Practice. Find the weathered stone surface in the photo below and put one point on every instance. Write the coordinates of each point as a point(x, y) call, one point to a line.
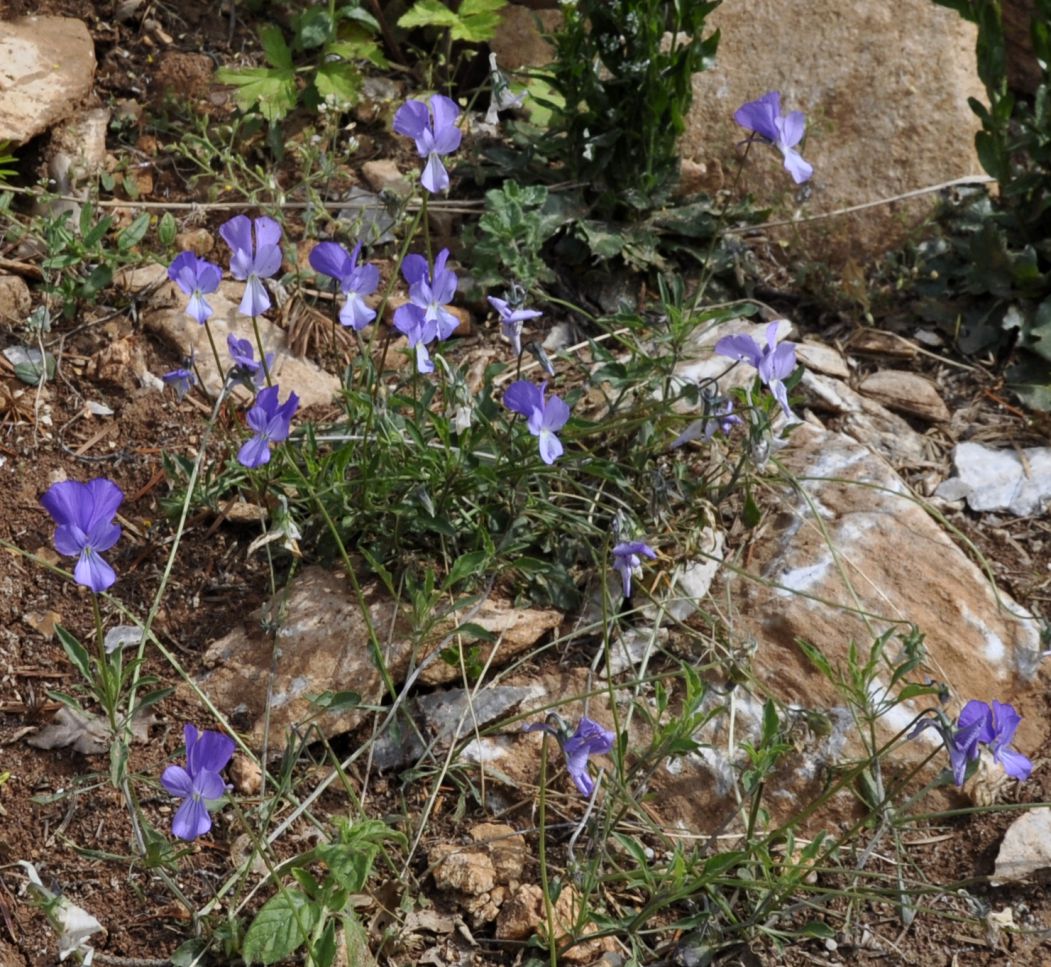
point(47, 66)
point(819, 358)
point(1026, 847)
point(851, 556)
point(77, 152)
point(322, 645)
point(1018, 481)
point(518, 41)
point(884, 88)
point(516, 630)
point(15, 302)
point(865, 420)
point(166, 316)
point(906, 393)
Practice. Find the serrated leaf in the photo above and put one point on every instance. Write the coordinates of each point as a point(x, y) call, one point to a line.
point(271, 89)
point(274, 47)
point(478, 20)
point(279, 928)
point(313, 28)
point(428, 13)
point(340, 81)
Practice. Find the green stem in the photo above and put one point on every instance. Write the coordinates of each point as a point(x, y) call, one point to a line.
point(215, 355)
point(549, 910)
point(262, 354)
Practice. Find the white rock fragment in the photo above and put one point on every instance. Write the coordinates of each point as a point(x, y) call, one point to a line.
point(1018, 481)
point(1026, 847)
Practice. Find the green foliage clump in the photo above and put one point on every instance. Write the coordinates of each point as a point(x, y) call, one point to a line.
point(1001, 254)
point(335, 41)
point(625, 91)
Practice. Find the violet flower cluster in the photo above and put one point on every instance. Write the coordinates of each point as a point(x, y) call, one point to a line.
point(784, 131)
point(196, 277)
point(425, 317)
point(589, 739)
point(84, 513)
point(511, 319)
point(255, 245)
point(979, 724)
point(200, 784)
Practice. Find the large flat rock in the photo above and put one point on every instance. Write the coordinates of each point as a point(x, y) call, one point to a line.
point(47, 66)
point(884, 87)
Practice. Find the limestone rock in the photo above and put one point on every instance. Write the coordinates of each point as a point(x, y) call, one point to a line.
point(819, 358)
point(867, 421)
point(518, 41)
point(15, 301)
point(852, 541)
point(516, 630)
point(383, 174)
point(884, 88)
point(1026, 848)
point(907, 393)
point(47, 66)
point(322, 645)
point(1016, 481)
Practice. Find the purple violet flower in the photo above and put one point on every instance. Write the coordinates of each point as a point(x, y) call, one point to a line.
point(433, 137)
point(627, 558)
point(544, 419)
point(775, 363)
point(253, 262)
point(196, 277)
point(783, 131)
point(181, 380)
point(271, 422)
point(199, 785)
point(720, 418)
point(511, 320)
point(84, 513)
point(355, 281)
point(978, 725)
point(425, 316)
point(246, 370)
point(589, 739)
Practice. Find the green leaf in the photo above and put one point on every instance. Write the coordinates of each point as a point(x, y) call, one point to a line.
point(313, 28)
point(272, 89)
point(476, 21)
point(336, 701)
point(339, 81)
point(75, 651)
point(274, 47)
point(167, 229)
point(134, 233)
point(280, 927)
point(428, 13)
point(465, 566)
